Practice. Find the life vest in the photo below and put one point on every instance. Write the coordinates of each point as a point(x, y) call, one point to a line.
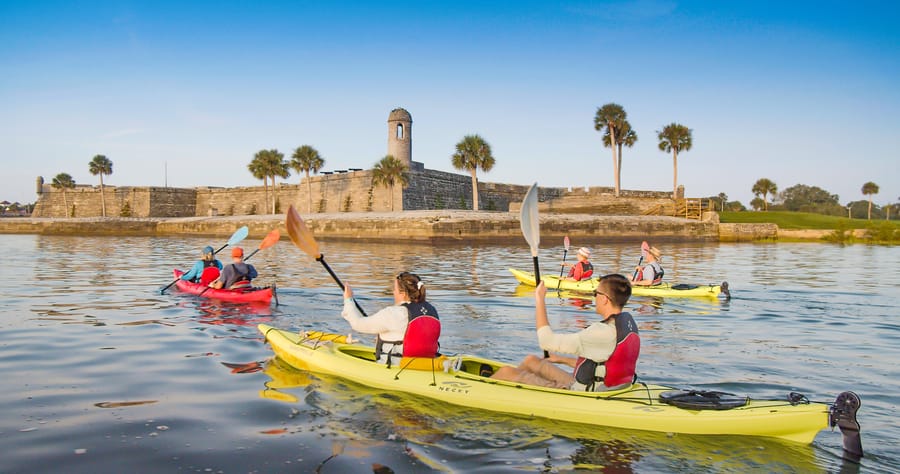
point(586, 270)
point(658, 273)
point(423, 330)
point(210, 273)
point(243, 277)
point(620, 366)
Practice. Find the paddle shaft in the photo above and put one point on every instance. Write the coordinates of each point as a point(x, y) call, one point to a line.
point(562, 269)
point(248, 258)
point(640, 261)
point(321, 259)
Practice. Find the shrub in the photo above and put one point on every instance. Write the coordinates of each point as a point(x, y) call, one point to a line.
point(842, 233)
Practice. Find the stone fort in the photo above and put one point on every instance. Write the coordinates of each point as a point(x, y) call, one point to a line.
point(342, 190)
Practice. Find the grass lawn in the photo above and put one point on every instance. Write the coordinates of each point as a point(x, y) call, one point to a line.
point(798, 220)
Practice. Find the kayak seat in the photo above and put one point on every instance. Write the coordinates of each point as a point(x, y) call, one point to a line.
point(423, 363)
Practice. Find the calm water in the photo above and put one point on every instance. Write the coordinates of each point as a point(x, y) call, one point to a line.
point(102, 373)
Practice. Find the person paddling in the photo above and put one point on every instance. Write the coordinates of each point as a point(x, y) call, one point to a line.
point(236, 275)
point(204, 270)
point(607, 351)
point(651, 273)
point(408, 328)
point(582, 269)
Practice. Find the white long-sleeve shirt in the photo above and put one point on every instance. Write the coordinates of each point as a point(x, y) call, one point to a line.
point(596, 342)
point(389, 323)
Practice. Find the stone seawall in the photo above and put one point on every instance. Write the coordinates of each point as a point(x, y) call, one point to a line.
point(412, 226)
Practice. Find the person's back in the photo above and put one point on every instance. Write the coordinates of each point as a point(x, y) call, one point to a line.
point(236, 275)
point(203, 268)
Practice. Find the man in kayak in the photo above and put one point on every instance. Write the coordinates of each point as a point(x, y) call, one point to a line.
point(236, 275)
point(582, 269)
point(650, 273)
point(607, 351)
point(204, 270)
point(408, 328)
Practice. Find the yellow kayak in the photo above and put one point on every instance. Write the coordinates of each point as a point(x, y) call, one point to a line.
point(588, 286)
point(457, 380)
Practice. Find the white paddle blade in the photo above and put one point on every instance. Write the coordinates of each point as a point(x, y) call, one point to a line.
point(531, 226)
point(566, 243)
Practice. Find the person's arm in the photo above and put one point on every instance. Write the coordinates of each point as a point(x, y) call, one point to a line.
point(540, 306)
point(251, 272)
point(377, 323)
point(577, 271)
point(194, 272)
point(558, 359)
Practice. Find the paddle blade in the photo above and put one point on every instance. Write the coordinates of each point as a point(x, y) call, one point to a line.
point(531, 226)
point(300, 235)
point(270, 239)
point(566, 243)
point(238, 235)
point(645, 247)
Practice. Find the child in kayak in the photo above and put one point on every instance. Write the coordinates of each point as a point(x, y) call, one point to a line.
point(408, 328)
point(607, 351)
point(651, 273)
point(204, 270)
point(582, 269)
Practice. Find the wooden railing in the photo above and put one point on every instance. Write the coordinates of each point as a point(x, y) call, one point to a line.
point(690, 208)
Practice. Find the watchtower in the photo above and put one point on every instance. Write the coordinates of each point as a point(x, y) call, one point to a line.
point(400, 138)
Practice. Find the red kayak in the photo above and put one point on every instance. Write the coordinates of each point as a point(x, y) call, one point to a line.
point(255, 295)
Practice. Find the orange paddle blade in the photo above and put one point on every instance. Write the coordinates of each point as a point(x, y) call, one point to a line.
point(270, 239)
point(300, 235)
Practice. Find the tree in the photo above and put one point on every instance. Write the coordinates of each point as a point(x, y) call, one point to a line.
point(472, 152)
point(388, 172)
point(625, 136)
point(269, 164)
point(801, 197)
point(757, 203)
point(611, 118)
point(306, 159)
point(869, 189)
point(674, 138)
point(258, 171)
point(723, 198)
point(764, 187)
point(64, 182)
point(103, 166)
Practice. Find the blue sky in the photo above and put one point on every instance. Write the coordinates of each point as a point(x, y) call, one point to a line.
point(185, 95)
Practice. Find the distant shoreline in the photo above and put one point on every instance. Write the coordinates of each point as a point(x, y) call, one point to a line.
point(421, 226)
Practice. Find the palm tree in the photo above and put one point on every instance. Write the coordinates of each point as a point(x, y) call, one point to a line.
point(472, 152)
point(388, 172)
point(304, 160)
point(765, 187)
point(612, 118)
point(723, 198)
point(269, 164)
point(64, 181)
point(103, 166)
point(257, 170)
point(625, 136)
point(674, 138)
point(869, 189)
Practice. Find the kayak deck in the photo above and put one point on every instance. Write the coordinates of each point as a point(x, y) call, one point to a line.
point(589, 285)
point(457, 380)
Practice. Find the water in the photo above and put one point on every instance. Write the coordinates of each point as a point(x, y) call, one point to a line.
point(102, 373)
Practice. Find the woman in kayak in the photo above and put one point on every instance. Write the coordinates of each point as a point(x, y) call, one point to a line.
point(408, 328)
point(204, 270)
point(651, 273)
point(607, 351)
point(582, 269)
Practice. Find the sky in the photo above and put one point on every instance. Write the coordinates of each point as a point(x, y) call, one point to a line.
point(184, 94)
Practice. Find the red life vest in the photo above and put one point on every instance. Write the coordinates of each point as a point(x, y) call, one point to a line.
point(586, 270)
point(658, 273)
point(422, 332)
point(209, 275)
point(621, 364)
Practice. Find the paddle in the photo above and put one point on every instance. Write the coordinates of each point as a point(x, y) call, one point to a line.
point(645, 247)
point(563, 266)
point(236, 237)
point(531, 229)
point(267, 242)
point(303, 239)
